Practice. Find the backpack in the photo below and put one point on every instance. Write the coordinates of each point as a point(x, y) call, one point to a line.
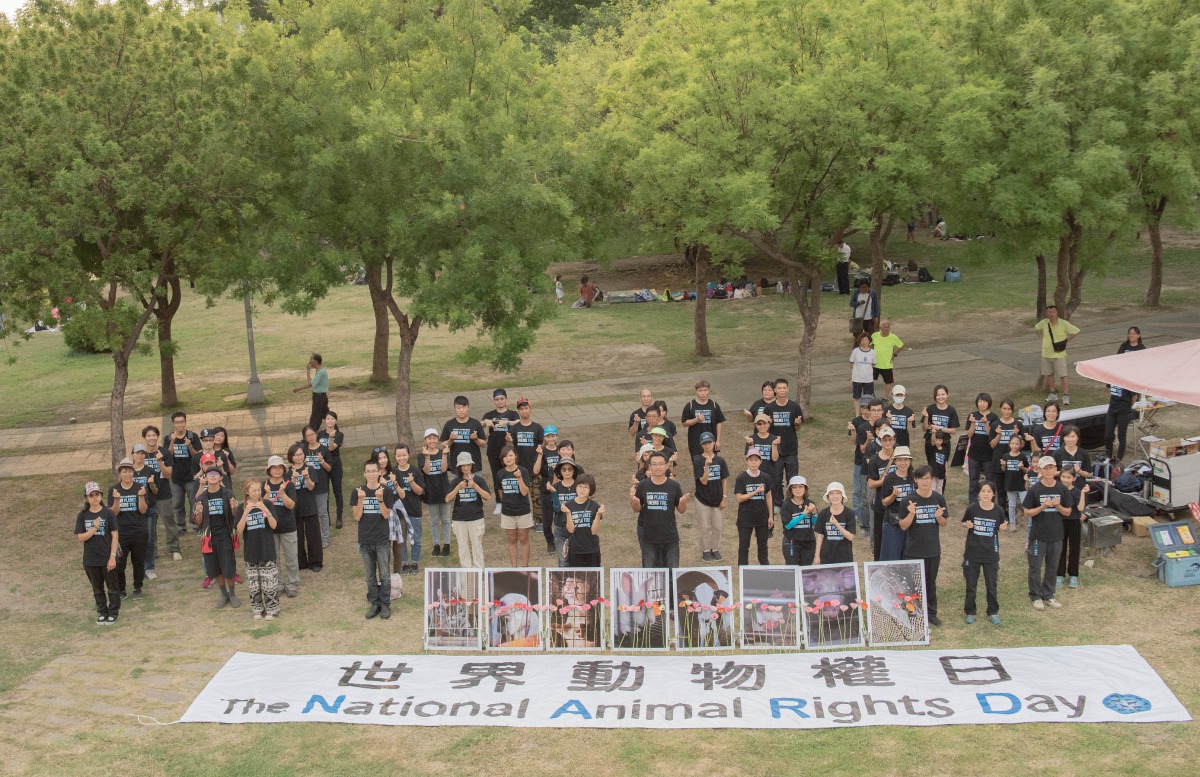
point(1128, 483)
point(923, 276)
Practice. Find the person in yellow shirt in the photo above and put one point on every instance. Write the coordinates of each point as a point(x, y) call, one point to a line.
point(887, 347)
point(1054, 333)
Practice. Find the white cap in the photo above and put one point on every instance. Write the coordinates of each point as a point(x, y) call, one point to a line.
point(887, 431)
point(274, 461)
point(1047, 461)
point(797, 480)
point(646, 447)
point(429, 431)
point(898, 391)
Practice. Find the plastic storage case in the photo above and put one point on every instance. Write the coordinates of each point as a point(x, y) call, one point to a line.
point(1178, 553)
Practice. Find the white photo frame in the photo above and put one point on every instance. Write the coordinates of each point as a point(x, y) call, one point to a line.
point(897, 610)
point(702, 608)
point(576, 606)
point(453, 615)
point(832, 607)
point(771, 614)
point(514, 609)
point(640, 616)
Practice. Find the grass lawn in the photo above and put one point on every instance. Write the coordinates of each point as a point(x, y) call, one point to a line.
point(67, 688)
point(994, 300)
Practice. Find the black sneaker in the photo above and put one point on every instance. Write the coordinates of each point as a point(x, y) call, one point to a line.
point(339, 522)
point(550, 548)
point(111, 619)
point(315, 568)
point(372, 611)
point(101, 620)
point(124, 595)
point(716, 556)
point(385, 612)
point(707, 556)
point(935, 620)
point(137, 594)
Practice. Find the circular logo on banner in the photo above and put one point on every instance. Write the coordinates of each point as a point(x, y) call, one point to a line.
point(1126, 703)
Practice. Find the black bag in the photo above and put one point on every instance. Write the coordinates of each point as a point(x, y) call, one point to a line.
point(891, 279)
point(1058, 345)
point(923, 276)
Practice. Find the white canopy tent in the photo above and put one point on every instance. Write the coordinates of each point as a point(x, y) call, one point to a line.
point(1167, 372)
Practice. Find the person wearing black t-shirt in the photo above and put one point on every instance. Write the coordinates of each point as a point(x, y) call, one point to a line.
point(182, 445)
point(433, 461)
point(332, 438)
point(582, 517)
point(497, 422)
point(878, 466)
point(217, 509)
point(309, 553)
point(128, 500)
point(656, 500)
point(702, 415)
point(637, 419)
point(160, 460)
point(798, 514)
point(1068, 560)
point(565, 473)
point(513, 487)
point(862, 429)
point(939, 417)
point(752, 490)
point(1047, 503)
point(900, 416)
point(768, 448)
point(371, 510)
point(1046, 437)
point(468, 491)
point(1071, 455)
point(760, 406)
point(1007, 426)
point(257, 524)
point(922, 515)
point(147, 476)
point(786, 417)
point(1117, 419)
point(96, 527)
point(711, 473)
point(983, 521)
point(465, 434)
point(528, 437)
point(409, 488)
point(835, 528)
point(898, 485)
point(1014, 464)
point(544, 465)
point(317, 457)
point(280, 495)
point(980, 425)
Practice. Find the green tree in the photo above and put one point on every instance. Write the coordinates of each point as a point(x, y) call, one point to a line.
point(751, 125)
point(120, 164)
point(428, 149)
point(1165, 127)
point(1036, 140)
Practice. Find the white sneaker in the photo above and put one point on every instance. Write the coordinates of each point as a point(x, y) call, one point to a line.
point(497, 510)
point(177, 556)
point(1056, 604)
point(1066, 399)
point(151, 574)
point(1052, 397)
point(1038, 604)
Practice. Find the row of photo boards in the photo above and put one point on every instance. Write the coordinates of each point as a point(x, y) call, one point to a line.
point(586, 609)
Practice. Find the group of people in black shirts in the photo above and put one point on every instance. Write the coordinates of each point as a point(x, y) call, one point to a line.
point(283, 519)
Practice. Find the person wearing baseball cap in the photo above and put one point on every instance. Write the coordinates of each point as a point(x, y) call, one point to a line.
point(544, 467)
point(798, 514)
point(218, 511)
point(145, 475)
point(901, 417)
point(877, 466)
point(752, 490)
point(898, 485)
point(835, 528)
point(711, 472)
point(1046, 504)
point(433, 461)
point(279, 492)
point(130, 503)
point(96, 529)
point(767, 443)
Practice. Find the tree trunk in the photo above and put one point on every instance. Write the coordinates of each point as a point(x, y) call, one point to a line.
point(1153, 218)
point(878, 239)
point(379, 305)
point(116, 402)
point(165, 308)
point(809, 303)
point(1069, 276)
point(1040, 305)
point(409, 329)
point(698, 255)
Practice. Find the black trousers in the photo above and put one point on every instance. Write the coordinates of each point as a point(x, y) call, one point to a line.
point(843, 277)
point(1116, 425)
point(786, 468)
point(760, 535)
point(1068, 562)
point(320, 408)
point(876, 532)
point(798, 554)
point(308, 542)
point(991, 571)
point(132, 545)
point(931, 573)
point(335, 484)
point(101, 579)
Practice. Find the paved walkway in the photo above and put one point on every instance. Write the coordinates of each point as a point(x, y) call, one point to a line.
point(1004, 365)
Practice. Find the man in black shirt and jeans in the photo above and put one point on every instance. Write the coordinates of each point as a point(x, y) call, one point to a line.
point(656, 500)
point(786, 417)
point(182, 445)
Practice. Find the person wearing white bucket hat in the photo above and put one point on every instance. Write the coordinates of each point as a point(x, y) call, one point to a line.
point(468, 492)
point(835, 528)
point(280, 495)
point(897, 486)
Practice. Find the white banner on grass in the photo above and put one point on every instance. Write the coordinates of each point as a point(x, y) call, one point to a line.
point(1107, 683)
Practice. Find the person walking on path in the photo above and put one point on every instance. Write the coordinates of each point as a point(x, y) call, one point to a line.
point(1055, 332)
point(318, 383)
point(887, 347)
